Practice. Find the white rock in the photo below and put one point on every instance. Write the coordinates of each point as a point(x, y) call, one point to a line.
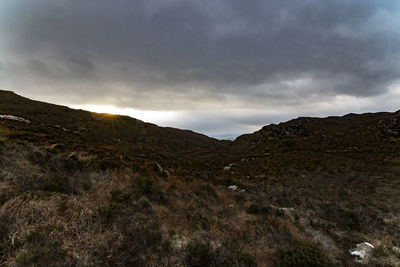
point(179, 242)
point(362, 252)
point(14, 118)
point(286, 210)
point(228, 167)
point(369, 244)
point(233, 187)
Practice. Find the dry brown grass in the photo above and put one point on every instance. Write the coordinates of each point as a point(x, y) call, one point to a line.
point(69, 215)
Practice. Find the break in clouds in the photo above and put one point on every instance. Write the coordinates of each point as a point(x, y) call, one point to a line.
point(226, 66)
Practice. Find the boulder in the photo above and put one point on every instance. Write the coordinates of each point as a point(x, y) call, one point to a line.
point(362, 252)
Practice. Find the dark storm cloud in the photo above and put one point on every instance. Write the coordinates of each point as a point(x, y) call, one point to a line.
point(176, 54)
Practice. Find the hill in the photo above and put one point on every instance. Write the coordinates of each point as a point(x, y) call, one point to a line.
point(112, 137)
point(87, 189)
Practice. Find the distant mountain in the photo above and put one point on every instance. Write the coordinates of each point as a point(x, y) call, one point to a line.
point(87, 189)
point(229, 137)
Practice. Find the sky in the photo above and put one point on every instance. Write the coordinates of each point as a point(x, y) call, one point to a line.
point(219, 67)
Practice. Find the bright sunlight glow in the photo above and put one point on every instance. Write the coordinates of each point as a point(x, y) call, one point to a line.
point(157, 117)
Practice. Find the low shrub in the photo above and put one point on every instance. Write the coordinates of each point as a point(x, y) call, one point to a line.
point(302, 255)
point(199, 255)
point(245, 259)
point(5, 224)
point(380, 252)
point(199, 220)
point(107, 214)
point(110, 164)
point(290, 143)
point(139, 242)
point(148, 187)
point(208, 190)
point(30, 169)
point(55, 183)
point(351, 221)
point(240, 198)
point(41, 250)
point(42, 256)
point(258, 209)
point(118, 196)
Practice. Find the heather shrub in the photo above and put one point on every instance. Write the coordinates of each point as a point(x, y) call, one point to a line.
point(148, 187)
point(302, 255)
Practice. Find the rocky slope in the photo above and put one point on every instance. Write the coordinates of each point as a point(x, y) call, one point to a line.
point(87, 189)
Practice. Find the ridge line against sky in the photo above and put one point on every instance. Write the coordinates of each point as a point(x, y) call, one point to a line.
point(215, 67)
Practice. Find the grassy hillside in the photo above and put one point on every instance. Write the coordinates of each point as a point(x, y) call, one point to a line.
point(86, 189)
point(121, 138)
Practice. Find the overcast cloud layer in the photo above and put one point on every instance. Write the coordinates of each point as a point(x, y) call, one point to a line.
point(223, 66)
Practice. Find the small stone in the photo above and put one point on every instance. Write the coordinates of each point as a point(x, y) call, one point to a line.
point(233, 187)
point(228, 167)
point(286, 210)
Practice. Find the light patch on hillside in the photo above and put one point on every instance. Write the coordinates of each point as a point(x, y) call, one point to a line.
point(158, 117)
